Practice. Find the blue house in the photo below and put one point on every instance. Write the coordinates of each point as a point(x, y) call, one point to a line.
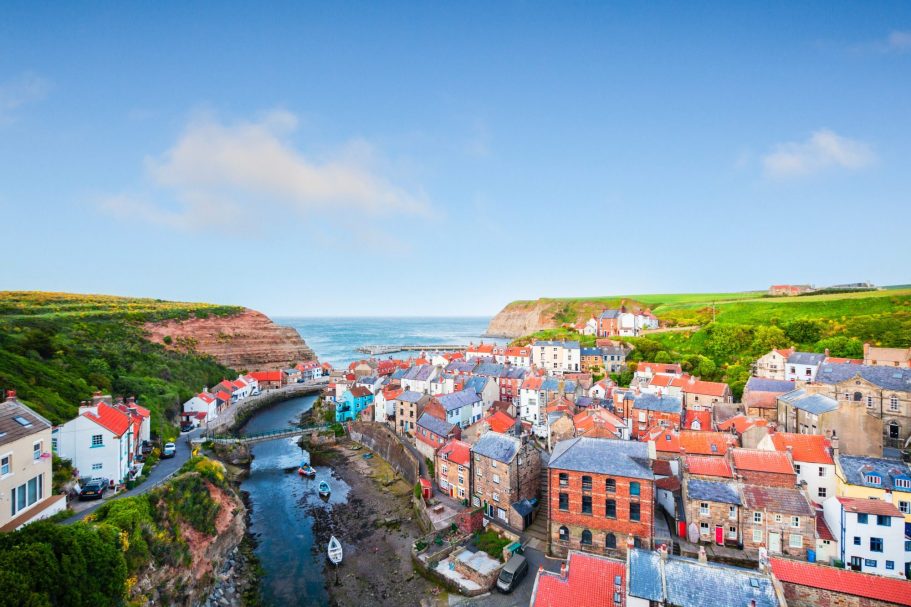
point(354, 400)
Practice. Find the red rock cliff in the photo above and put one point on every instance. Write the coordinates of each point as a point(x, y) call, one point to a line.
point(248, 341)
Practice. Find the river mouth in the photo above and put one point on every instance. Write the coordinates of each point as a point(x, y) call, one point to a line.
point(281, 502)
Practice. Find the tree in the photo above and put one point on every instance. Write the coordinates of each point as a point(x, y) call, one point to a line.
point(766, 338)
point(841, 347)
point(804, 331)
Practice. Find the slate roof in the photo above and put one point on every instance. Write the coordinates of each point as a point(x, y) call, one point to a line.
point(855, 583)
point(688, 583)
point(663, 403)
point(435, 424)
point(890, 378)
point(591, 352)
point(497, 446)
point(806, 358)
point(419, 373)
point(816, 404)
point(476, 383)
point(11, 430)
point(399, 373)
point(602, 456)
point(761, 384)
point(459, 399)
point(574, 345)
point(610, 314)
point(489, 369)
point(513, 373)
point(712, 491)
point(552, 384)
point(855, 467)
point(776, 499)
point(410, 396)
point(461, 366)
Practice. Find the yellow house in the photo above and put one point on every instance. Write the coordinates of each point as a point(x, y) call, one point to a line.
point(872, 477)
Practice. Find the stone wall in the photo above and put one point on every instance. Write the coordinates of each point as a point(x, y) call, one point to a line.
point(382, 441)
point(236, 415)
point(805, 596)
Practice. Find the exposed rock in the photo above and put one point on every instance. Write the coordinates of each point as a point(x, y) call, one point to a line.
point(521, 318)
point(249, 341)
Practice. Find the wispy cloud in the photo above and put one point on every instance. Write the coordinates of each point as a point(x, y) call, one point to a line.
point(27, 88)
point(898, 42)
point(823, 150)
point(218, 173)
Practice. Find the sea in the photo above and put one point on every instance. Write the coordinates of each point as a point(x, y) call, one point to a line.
point(335, 340)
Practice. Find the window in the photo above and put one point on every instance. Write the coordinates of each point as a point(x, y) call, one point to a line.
point(876, 544)
point(893, 403)
point(883, 520)
point(564, 534)
point(634, 512)
point(795, 521)
point(777, 518)
point(822, 472)
point(97, 466)
point(496, 478)
point(821, 492)
point(610, 508)
point(797, 468)
point(870, 401)
point(732, 512)
point(757, 518)
point(873, 479)
point(904, 507)
point(610, 485)
point(703, 509)
point(27, 494)
point(96, 440)
point(634, 488)
point(493, 463)
point(857, 540)
point(586, 504)
point(564, 501)
point(6, 465)
point(610, 541)
point(461, 492)
point(496, 497)
point(704, 528)
point(586, 538)
point(870, 563)
point(36, 451)
point(795, 540)
point(445, 468)
point(586, 483)
point(862, 519)
point(903, 483)
point(564, 479)
point(890, 565)
point(757, 536)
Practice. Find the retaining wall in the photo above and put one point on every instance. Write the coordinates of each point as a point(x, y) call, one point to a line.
point(382, 441)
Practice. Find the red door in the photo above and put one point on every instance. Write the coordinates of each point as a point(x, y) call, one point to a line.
point(719, 535)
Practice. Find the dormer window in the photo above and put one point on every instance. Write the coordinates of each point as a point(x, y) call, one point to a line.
point(873, 479)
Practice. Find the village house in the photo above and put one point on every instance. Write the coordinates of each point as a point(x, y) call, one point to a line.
point(201, 409)
point(600, 423)
point(384, 403)
point(884, 391)
point(602, 389)
point(575, 583)
point(496, 421)
point(409, 406)
point(646, 371)
point(354, 400)
point(267, 380)
point(650, 410)
point(557, 357)
point(875, 478)
point(751, 430)
point(481, 351)
point(811, 585)
point(559, 427)
point(484, 386)
point(532, 400)
point(811, 455)
point(809, 411)
point(519, 356)
point(510, 382)
point(698, 394)
point(291, 376)
point(505, 470)
point(25, 466)
point(311, 370)
point(779, 519)
point(418, 378)
point(803, 366)
point(713, 510)
point(887, 357)
point(453, 469)
point(874, 535)
point(600, 495)
point(789, 290)
point(772, 365)
point(432, 433)
point(613, 357)
point(670, 444)
point(766, 468)
point(760, 396)
point(463, 408)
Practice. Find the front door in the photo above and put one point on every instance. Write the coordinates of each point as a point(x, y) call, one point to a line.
point(774, 542)
point(719, 535)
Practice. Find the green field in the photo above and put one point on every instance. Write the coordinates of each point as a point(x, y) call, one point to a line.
point(56, 349)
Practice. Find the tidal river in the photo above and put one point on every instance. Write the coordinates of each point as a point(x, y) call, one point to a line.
point(279, 500)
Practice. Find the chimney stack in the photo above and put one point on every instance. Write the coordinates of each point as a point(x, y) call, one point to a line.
point(562, 571)
point(10, 395)
point(834, 444)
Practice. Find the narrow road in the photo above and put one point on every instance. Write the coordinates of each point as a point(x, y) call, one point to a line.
point(159, 473)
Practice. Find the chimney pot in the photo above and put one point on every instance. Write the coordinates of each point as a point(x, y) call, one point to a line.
point(10, 395)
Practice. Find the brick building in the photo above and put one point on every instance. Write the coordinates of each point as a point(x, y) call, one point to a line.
point(453, 469)
point(766, 468)
point(809, 585)
point(713, 510)
point(779, 519)
point(505, 470)
point(600, 494)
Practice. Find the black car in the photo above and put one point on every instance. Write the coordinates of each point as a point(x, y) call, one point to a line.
point(94, 489)
point(186, 426)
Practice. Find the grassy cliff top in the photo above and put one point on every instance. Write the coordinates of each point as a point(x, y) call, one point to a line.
point(33, 304)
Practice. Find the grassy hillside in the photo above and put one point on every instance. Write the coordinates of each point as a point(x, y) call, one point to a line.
point(57, 349)
point(748, 327)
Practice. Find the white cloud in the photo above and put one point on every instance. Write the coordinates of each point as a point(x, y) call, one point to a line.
point(823, 150)
point(218, 173)
point(27, 88)
point(899, 42)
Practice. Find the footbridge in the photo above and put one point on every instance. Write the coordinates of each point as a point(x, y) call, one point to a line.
point(247, 439)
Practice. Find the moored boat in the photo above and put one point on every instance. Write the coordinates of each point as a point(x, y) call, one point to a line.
point(324, 489)
point(307, 470)
point(334, 551)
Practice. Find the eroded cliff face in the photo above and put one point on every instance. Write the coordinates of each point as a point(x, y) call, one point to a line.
point(249, 341)
point(518, 319)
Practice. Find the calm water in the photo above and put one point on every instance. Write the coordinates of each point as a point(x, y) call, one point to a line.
point(279, 520)
point(335, 339)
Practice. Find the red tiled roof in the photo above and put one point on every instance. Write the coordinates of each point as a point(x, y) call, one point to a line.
point(589, 582)
point(205, 397)
point(662, 467)
point(500, 422)
point(109, 418)
point(703, 417)
point(742, 423)
point(669, 483)
point(845, 581)
point(699, 443)
point(266, 375)
point(673, 368)
point(456, 451)
point(804, 447)
point(762, 461)
point(869, 506)
point(822, 530)
point(691, 385)
point(533, 383)
point(709, 466)
point(359, 392)
point(225, 396)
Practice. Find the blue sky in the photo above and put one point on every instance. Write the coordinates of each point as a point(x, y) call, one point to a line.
point(387, 159)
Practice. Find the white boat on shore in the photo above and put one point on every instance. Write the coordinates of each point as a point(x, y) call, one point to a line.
point(334, 552)
point(324, 489)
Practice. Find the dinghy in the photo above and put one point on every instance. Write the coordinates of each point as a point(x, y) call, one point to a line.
point(335, 550)
point(324, 489)
point(307, 470)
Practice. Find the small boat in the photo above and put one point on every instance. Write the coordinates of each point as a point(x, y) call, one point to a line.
point(335, 550)
point(307, 470)
point(324, 489)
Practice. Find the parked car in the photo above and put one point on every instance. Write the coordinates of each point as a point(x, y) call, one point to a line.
point(512, 573)
point(186, 426)
point(169, 450)
point(93, 489)
point(146, 447)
